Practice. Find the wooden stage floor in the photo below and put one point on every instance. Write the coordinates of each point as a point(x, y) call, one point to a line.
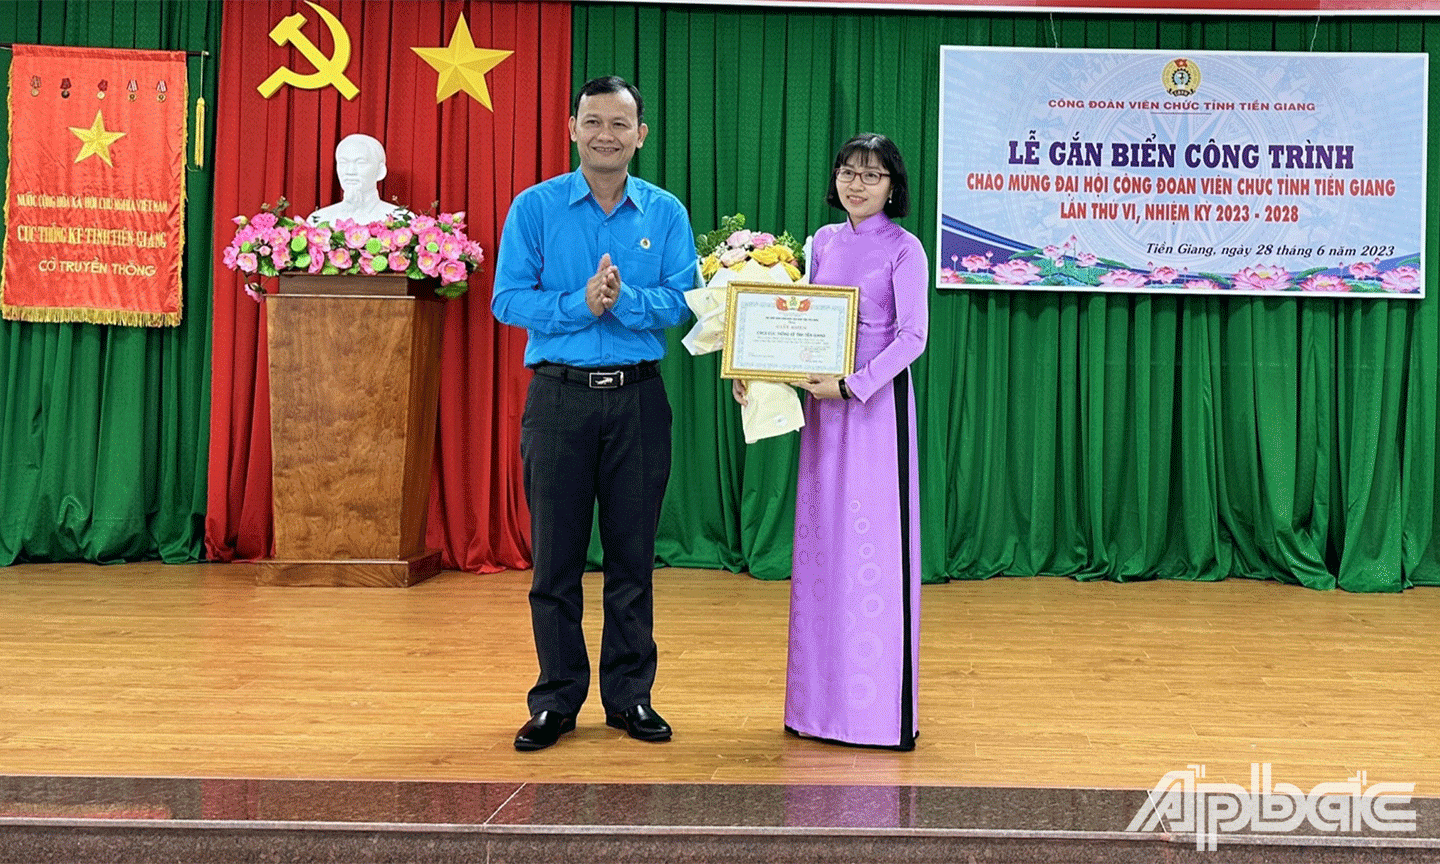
point(152, 714)
point(147, 670)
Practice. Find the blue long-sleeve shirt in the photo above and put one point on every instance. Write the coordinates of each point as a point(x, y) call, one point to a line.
point(551, 245)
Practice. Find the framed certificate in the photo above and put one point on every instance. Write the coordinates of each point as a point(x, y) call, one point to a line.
point(786, 332)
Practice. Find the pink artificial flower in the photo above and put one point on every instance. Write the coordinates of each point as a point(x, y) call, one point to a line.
point(228, 256)
point(340, 258)
point(1085, 259)
point(402, 237)
point(1202, 285)
point(280, 257)
point(1164, 275)
point(422, 223)
point(450, 246)
point(974, 263)
point(399, 262)
point(739, 239)
point(357, 237)
point(732, 256)
point(760, 240)
point(247, 262)
point(317, 260)
point(367, 264)
point(429, 262)
point(257, 296)
point(1401, 280)
point(1364, 270)
point(264, 221)
point(242, 221)
point(1262, 278)
point(430, 237)
point(1016, 271)
point(1325, 283)
point(474, 252)
point(1122, 279)
point(452, 272)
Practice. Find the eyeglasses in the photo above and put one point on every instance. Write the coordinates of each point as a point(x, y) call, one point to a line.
point(869, 178)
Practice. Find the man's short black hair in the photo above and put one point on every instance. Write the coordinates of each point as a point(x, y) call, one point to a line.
point(608, 84)
point(889, 156)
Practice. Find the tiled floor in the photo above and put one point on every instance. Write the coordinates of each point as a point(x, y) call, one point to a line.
point(45, 819)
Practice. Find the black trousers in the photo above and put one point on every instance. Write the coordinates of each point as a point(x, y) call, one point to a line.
point(580, 447)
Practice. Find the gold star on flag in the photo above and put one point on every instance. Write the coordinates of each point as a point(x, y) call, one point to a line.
point(97, 140)
point(462, 66)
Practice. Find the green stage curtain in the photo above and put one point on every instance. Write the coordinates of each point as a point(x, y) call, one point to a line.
point(103, 430)
point(1095, 436)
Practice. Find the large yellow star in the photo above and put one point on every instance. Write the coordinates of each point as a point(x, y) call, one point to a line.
point(97, 140)
point(462, 66)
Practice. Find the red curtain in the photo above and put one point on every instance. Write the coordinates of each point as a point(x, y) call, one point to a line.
point(459, 153)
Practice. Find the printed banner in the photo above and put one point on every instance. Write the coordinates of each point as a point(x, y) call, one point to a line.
point(1195, 172)
point(1309, 8)
point(94, 208)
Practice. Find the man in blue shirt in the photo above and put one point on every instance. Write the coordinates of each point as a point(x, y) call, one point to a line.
point(594, 265)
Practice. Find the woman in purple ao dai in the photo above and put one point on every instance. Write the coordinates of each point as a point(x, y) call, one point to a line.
point(855, 582)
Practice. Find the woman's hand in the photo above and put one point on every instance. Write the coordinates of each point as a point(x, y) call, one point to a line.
point(821, 386)
point(738, 389)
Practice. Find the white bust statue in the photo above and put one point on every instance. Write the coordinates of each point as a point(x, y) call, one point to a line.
point(360, 165)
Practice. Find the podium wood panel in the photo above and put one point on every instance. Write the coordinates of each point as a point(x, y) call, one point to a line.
point(353, 388)
point(350, 573)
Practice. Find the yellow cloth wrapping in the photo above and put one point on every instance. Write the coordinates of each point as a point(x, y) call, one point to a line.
point(770, 409)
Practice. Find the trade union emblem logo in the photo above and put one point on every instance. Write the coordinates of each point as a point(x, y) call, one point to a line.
point(1181, 77)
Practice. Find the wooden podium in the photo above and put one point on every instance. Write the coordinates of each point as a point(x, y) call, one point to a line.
point(354, 384)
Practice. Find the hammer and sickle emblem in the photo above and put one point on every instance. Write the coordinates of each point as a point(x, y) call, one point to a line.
point(328, 70)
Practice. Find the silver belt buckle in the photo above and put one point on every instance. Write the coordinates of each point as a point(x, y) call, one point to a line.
point(606, 380)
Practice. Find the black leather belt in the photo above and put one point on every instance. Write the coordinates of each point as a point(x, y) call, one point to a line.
point(599, 379)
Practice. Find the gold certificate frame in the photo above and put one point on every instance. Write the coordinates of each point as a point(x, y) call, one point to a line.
point(787, 332)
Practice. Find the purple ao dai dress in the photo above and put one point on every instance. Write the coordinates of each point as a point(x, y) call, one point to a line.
point(855, 583)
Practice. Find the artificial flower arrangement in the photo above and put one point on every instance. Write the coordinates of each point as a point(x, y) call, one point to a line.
point(418, 245)
point(731, 245)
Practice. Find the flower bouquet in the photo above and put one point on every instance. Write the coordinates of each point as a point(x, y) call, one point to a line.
point(731, 245)
point(418, 245)
point(731, 253)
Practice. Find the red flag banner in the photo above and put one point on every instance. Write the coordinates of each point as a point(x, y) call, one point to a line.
point(96, 188)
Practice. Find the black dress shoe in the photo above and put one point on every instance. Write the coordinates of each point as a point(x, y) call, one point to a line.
point(544, 729)
point(641, 721)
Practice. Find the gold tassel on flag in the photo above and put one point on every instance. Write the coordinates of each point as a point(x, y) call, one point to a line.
point(200, 132)
point(200, 116)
